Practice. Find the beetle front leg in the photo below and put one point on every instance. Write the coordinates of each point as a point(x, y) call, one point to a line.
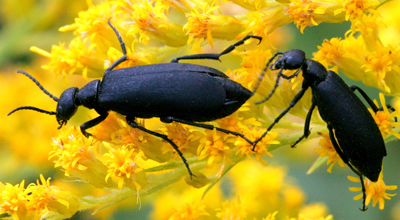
point(209, 127)
point(215, 56)
point(346, 161)
point(131, 122)
point(92, 123)
point(306, 125)
point(293, 103)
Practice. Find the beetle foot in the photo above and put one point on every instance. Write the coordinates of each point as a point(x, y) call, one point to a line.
point(86, 134)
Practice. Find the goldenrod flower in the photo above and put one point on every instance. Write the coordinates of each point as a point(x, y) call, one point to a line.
point(76, 155)
point(44, 198)
point(122, 164)
point(357, 8)
point(271, 216)
point(232, 210)
point(205, 25)
point(150, 19)
point(215, 147)
point(316, 211)
point(262, 23)
point(383, 65)
point(36, 200)
point(260, 149)
point(184, 136)
point(363, 57)
point(327, 150)
point(13, 200)
point(385, 119)
point(189, 211)
point(374, 190)
point(306, 13)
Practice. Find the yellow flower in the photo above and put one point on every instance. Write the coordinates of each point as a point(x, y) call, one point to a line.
point(76, 155)
point(306, 13)
point(261, 149)
point(314, 212)
point(376, 66)
point(327, 150)
point(271, 216)
point(44, 198)
point(189, 211)
point(122, 164)
point(13, 200)
point(185, 136)
point(36, 200)
point(374, 190)
point(215, 147)
point(205, 25)
point(232, 210)
point(263, 23)
point(149, 19)
point(76, 58)
point(356, 8)
point(384, 118)
point(383, 65)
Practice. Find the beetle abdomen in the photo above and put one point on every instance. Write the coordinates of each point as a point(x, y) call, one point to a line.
point(355, 130)
point(177, 90)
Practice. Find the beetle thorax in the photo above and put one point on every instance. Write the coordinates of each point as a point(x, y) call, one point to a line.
point(314, 72)
point(87, 95)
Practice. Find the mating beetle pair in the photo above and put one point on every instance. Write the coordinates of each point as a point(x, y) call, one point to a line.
point(352, 129)
point(180, 92)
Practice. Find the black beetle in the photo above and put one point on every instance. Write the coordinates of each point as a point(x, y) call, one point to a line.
point(352, 129)
point(180, 92)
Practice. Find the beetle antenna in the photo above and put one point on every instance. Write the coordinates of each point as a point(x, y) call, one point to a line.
point(264, 71)
point(31, 108)
point(38, 84)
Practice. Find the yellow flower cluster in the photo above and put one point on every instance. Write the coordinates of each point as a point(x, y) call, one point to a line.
point(259, 193)
point(127, 162)
point(36, 200)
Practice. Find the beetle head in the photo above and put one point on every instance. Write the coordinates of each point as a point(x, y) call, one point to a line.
point(66, 106)
point(291, 60)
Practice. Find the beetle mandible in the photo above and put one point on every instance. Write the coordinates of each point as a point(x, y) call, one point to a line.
point(352, 129)
point(180, 92)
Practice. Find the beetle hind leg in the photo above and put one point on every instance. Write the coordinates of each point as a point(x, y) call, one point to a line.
point(133, 124)
point(346, 161)
point(205, 126)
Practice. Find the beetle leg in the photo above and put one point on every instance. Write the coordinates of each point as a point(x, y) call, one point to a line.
point(215, 56)
point(123, 47)
point(306, 125)
point(370, 102)
point(209, 127)
point(294, 101)
point(92, 123)
point(366, 97)
point(346, 161)
point(131, 121)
